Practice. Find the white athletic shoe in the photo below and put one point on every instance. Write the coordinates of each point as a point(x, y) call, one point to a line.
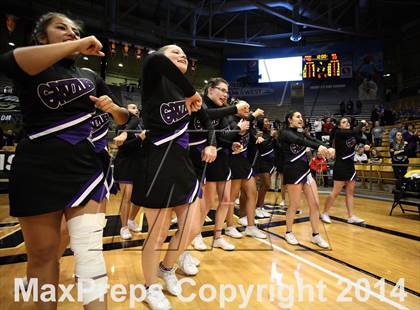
point(355, 220)
point(261, 213)
point(155, 298)
point(253, 231)
point(319, 241)
point(233, 232)
point(198, 243)
point(282, 203)
point(223, 244)
point(174, 220)
point(125, 233)
point(171, 282)
point(195, 260)
point(325, 218)
point(243, 221)
point(132, 225)
point(291, 239)
point(186, 264)
point(237, 202)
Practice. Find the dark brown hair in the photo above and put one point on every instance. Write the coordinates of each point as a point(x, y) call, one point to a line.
point(289, 115)
point(40, 29)
point(213, 82)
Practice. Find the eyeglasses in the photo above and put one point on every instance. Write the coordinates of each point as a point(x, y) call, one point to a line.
point(225, 91)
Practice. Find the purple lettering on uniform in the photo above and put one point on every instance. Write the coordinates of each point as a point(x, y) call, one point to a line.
point(351, 142)
point(197, 123)
point(244, 140)
point(296, 148)
point(55, 94)
point(172, 112)
point(98, 121)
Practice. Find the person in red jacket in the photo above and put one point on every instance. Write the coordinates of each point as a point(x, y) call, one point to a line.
point(318, 165)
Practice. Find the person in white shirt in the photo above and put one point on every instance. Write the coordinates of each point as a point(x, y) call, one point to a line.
point(318, 128)
point(360, 156)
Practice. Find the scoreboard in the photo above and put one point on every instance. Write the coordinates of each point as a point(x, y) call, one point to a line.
point(321, 66)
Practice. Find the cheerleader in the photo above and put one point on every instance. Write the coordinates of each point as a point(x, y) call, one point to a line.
point(297, 175)
point(198, 141)
point(218, 172)
point(279, 164)
point(56, 169)
point(164, 179)
point(243, 178)
point(344, 173)
point(128, 141)
point(265, 163)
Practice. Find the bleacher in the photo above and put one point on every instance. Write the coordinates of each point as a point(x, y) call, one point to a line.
point(383, 173)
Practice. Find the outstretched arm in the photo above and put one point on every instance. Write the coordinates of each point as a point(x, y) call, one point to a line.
point(35, 59)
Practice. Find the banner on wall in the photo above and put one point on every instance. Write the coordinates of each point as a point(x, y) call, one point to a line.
point(12, 117)
point(9, 102)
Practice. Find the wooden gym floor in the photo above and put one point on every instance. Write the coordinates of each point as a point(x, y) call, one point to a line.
point(346, 277)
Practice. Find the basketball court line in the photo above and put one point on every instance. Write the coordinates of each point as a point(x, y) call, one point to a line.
point(335, 275)
point(378, 228)
point(320, 252)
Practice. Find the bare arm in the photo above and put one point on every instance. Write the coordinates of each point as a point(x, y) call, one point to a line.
point(35, 59)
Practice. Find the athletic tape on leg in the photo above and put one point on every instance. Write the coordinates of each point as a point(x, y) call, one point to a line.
point(86, 242)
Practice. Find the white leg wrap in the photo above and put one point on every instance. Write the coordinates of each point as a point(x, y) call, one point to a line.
point(86, 242)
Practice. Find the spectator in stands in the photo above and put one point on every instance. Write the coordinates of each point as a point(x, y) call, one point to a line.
point(10, 138)
point(412, 138)
point(360, 157)
point(398, 155)
point(375, 156)
point(318, 128)
point(389, 117)
point(368, 133)
point(327, 127)
point(350, 107)
point(377, 133)
point(277, 124)
point(358, 107)
point(365, 136)
point(375, 116)
point(342, 108)
point(307, 132)
point(2, 142)
point(308, 124)
point(397, 128)
point(318, 166)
